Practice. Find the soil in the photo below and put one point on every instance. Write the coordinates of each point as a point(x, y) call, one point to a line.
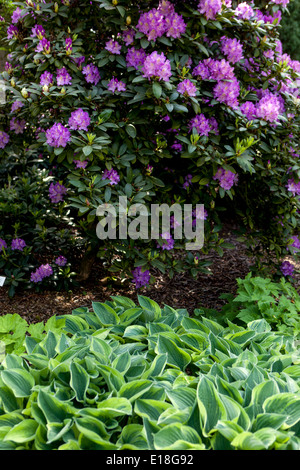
point(180, 292)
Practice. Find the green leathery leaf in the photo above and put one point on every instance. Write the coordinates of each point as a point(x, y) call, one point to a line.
point(150, 409)
point(177, 356)
point(22, 432)
point(211, 408)
point(134, 389)
point(151, 310)
point(171, 434)
point(79, 380)
point(19, 381)
point(105, 314)
point(289, 403)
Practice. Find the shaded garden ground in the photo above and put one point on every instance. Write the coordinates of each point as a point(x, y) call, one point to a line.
point(180, 292)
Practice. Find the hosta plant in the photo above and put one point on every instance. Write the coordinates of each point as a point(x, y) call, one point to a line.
point(126, 376)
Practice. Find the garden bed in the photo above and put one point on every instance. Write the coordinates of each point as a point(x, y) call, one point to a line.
point(181, 292)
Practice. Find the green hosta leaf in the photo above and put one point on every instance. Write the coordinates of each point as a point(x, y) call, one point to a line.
point(210, 405)
point(157, 367)
point(134, 389)
point(79, 381)
point(172, 415)
point(54, 410)
point(122, 362)
point(94, 430)
point(248, 441)
point(133, 437)
point(75, 324)
point(109, 408)
point(55, 431)
point(9, 402)
point(288, 403)
point(150, 409)
point(19, 381)
point(152, 310)
point(229, 430)
point(177, 356)
point(22, 432)
point(105, 313)
point(173, 435)
point(130, 315)
point(268, 420)
point(182, 397)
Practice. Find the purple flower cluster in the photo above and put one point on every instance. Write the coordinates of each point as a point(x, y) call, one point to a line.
point(4, 139)
point(111, 175)
point(163, 20)
point(249, 110)
point(268, 107)
point(210, 8)
point(63, 77)
point(186, 87)
point(293, 187)
point(187, 181)
point(58, 135)
point(116, 85)
point(12, 31)
point(16, 105)
point(287, 268)
point(113, 47)
point(226, 178)
point(61, 261)
point(18, 244)
point(168, 242)
point(46, 79)
point(128, 36)
point(227, 92)
point(232, 48)
point(91, 74)
point(203, 125)
point(40, 273)
point(18, 15)
point(57, 192)
point(157, 65)
point(80, 164)
point(244, 11)
point(79, 120)
point(135, 57)
point(140, 278)
point(17, 126)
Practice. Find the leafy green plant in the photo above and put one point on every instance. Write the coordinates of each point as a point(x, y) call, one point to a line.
point(276, 302)
point(137, 377)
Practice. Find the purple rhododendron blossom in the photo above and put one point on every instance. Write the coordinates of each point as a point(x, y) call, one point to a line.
point(244, 11)
point(80, 164)
point(128, 36)
point(249, 110)
point(63, 77)
point(16, 105)
point(141, 278)
point(157, 65)
point(135, 57)
point(58, 136)
point(268, 107)
point(91, 74)
point(186, 87)
point(226, 178)
point(18, 244)
point(61, 261)
point(227, 92)
point(79, 120)
point(40, 273)
point(46, 79)
point(12, 31)
point(287, 268)
point(111, 175)
point(210, 8)
point(293, 187)
point(232, 48)
point(57, 192)
point(4, 139)
point(115, 85)
point(113, 47)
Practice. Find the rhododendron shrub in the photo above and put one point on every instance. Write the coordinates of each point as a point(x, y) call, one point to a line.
point(192, 102)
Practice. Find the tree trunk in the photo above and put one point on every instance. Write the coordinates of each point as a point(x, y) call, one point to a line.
point(87, 263)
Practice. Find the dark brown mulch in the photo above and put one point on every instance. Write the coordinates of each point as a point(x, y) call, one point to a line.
point(180, 292)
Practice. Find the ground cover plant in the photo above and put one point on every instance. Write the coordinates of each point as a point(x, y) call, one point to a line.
point(116, 98)
point(136, 376)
